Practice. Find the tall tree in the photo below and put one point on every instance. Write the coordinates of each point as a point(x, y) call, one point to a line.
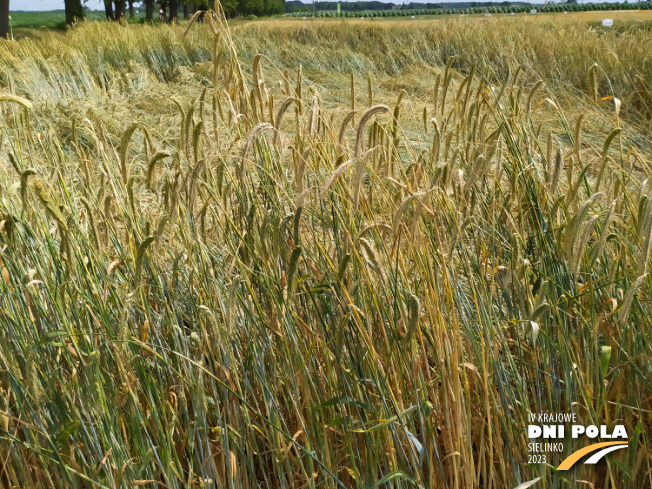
point(131, 9)
point(229, 6)
point(174, 11)
point(256, 7)
point(74, 11)
point(108, 8)
point(274, 7)
point(149, 10)
point(4, 18)
point(119, 9)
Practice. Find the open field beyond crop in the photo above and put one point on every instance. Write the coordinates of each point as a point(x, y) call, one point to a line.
point(323, 254)
point(638, 16)
point(53, 19)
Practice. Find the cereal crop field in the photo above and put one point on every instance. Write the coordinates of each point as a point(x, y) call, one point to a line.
point(329, 253)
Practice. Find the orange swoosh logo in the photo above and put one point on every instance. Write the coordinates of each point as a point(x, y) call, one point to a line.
point(575, 456)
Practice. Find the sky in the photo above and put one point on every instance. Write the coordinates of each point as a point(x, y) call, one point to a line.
point(35, 5)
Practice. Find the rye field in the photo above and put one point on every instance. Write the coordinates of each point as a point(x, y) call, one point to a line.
point(334, 254)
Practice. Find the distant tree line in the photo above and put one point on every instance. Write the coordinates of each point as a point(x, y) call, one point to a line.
point(466, 8)
point(360, 6)
point(298, 6)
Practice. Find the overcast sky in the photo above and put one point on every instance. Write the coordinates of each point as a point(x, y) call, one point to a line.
point(49, 5)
